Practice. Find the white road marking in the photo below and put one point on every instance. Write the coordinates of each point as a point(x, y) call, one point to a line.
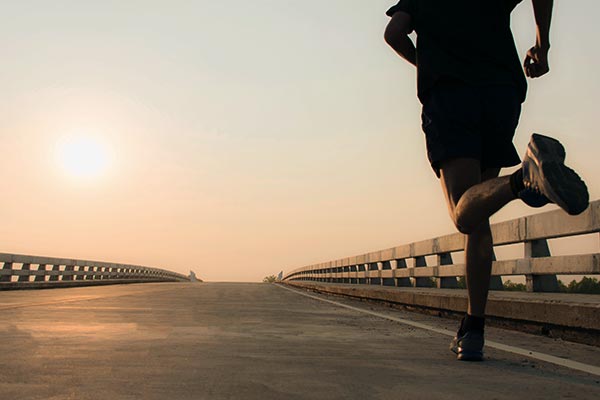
point(590, 369)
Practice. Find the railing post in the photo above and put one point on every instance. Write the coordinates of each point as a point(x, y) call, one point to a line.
point(420, 261)
point(41, 277)
point(446, 282)
point(361, 268)
point(89, 273)
point(402, 282)
point(79, 276)
point(55, 275)
point(25, 278)
point(68, 273)
point(377, 279)
point(539, 283)
point(387, 266)
point(7, 271)
point(495, 281)
point(353, 272)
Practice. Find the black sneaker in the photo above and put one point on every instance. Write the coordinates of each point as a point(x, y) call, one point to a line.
point(469, 346)
point(545, 174)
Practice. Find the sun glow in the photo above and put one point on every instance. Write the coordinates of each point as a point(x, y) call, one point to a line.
point(83, 157)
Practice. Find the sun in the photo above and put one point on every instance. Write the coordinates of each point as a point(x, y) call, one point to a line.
point(83, 157)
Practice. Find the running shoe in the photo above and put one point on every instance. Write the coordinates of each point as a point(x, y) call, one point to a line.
point(469, 346)
point(545, 174)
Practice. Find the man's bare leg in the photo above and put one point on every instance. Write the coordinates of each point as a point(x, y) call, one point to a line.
point(472, 197)
point(479, 253)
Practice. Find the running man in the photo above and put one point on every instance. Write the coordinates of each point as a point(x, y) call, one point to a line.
point(471, 85)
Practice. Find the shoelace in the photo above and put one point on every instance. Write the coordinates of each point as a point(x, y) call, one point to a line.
point(533, 188)
point(533, 196)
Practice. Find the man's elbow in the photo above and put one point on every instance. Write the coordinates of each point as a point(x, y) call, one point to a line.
point(392, 35)
point(397, 28)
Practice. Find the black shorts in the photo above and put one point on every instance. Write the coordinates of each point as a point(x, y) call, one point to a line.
point(465, 121)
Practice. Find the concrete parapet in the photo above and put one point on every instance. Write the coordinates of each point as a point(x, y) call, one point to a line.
point(573, 312)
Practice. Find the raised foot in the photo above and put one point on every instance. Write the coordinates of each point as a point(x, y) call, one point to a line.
point(546, 177)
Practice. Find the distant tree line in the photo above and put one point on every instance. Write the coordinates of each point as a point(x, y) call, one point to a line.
point(586, 285)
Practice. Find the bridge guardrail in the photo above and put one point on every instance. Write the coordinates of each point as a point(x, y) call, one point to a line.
point(23, 271)
point(389, 266)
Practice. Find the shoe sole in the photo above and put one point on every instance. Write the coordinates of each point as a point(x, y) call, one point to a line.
point(469, 356)
point(565, 187)
point(561, 184)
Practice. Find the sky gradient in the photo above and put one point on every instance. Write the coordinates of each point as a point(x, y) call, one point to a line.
point(243, 138)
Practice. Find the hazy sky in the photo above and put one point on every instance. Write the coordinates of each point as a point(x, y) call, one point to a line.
point(242, 137)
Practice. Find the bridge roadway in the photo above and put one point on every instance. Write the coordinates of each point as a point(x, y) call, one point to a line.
point(255, 341)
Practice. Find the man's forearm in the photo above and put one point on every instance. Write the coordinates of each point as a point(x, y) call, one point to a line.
point(542, 10)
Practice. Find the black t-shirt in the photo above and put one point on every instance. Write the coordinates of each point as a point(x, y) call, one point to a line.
point(467, 40)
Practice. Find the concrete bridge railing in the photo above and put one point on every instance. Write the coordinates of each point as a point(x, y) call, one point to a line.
point(28, 272)
point(408, 265)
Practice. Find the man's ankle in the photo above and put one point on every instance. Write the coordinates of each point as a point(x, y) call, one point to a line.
point(471, 323)
point(516, 182)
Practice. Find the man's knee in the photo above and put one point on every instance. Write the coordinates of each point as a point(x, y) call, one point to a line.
point(468, 226)
point(463, 226)
point(461, 220)
point(458, 175)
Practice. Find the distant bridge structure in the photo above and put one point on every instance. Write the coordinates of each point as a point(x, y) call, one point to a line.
point(30, 272)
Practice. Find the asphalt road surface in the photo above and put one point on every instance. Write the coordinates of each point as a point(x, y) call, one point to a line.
point(257, 341)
